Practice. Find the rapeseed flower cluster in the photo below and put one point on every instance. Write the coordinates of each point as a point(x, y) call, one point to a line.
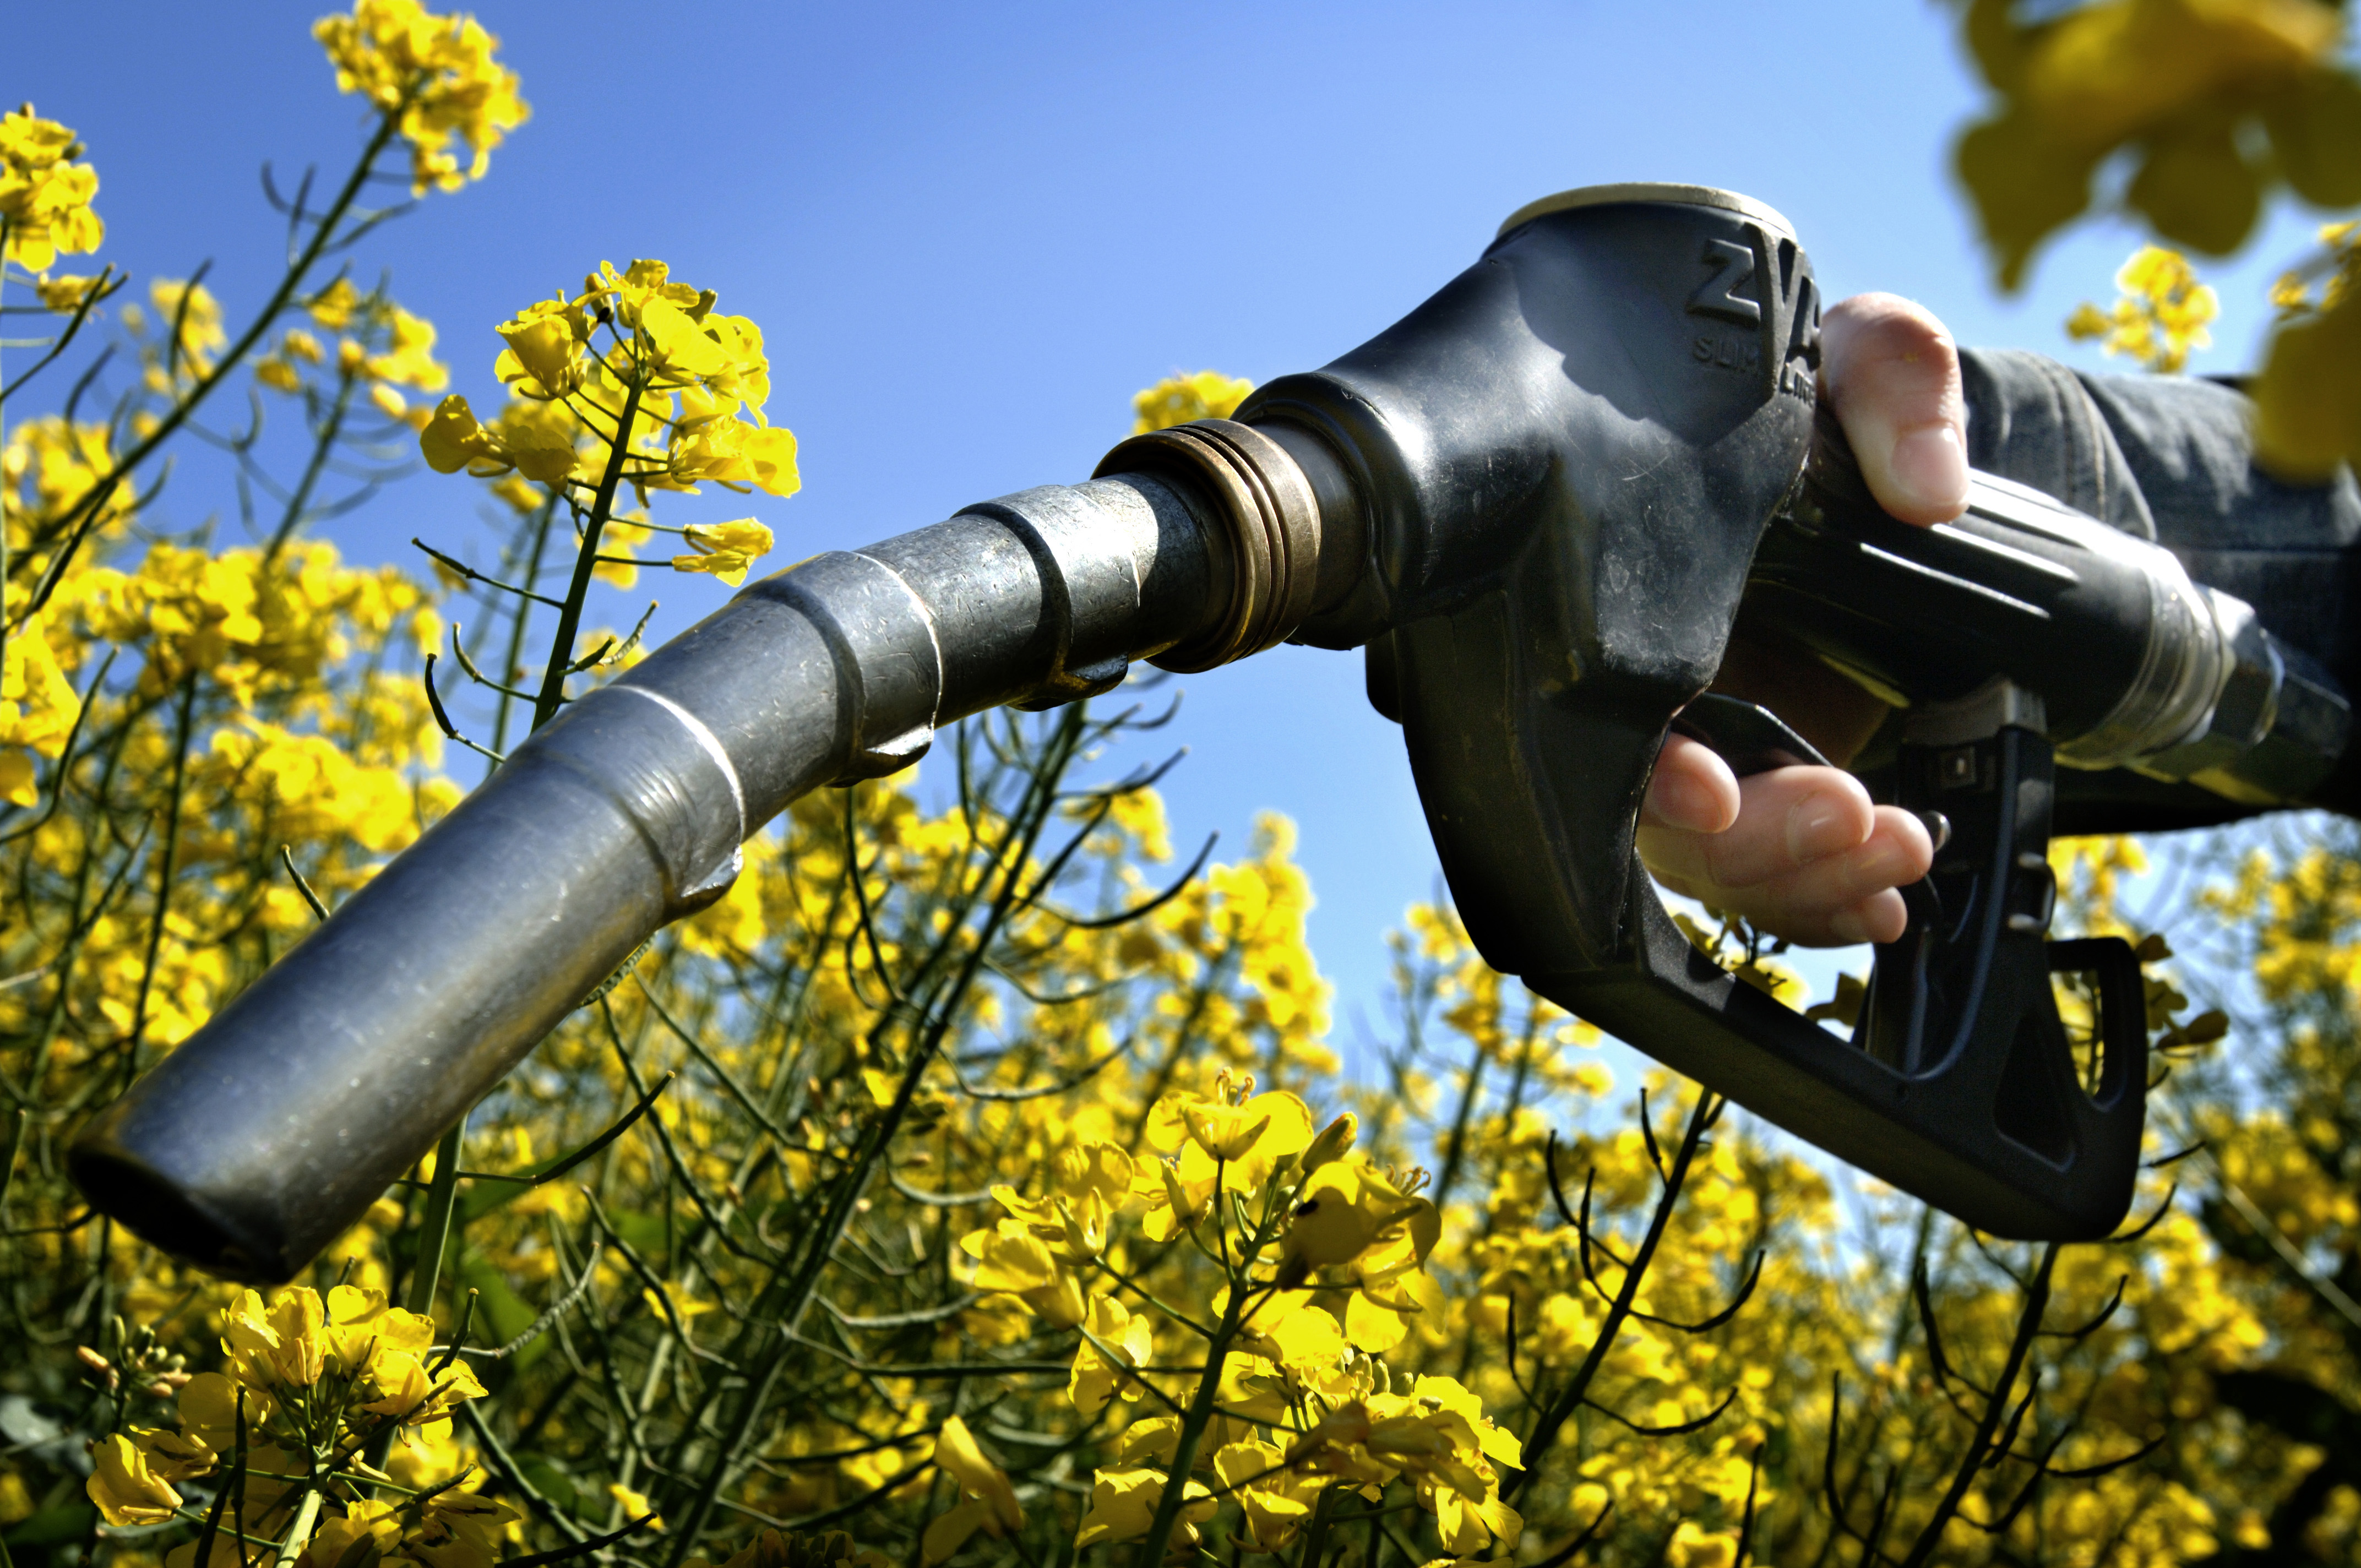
point(672, 399)
point(380, 349)
point(660, 405)
point(310, 1381)
point(1177, 400)
point(45, 196)
point(2160, 317)
point(2309, 395)
point(2210, 102)
point(38, 707)
point(434, 78)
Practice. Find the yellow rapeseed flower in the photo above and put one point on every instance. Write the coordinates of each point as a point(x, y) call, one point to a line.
point(436, 75)
point(546, 341)
point(1246, 1137)
point(37, 709)
point(454, 439)
point(64, 293)
point(1177, 400)
point(44, 195)
point(1278, 1500)
point(1116, 1342)
point(462, 1529)
point(1347, 1208)
point(1693, 1548)
point(988, 1501)
point(2107, 71)
point(333, 306)
point(724, 549)
point(1123, 1505)
point(2161, 316)
point(278, 374)
point(635, 1505)
point(408, 359)
point(539, 438)
point(376, 1523)
point(126, 1487)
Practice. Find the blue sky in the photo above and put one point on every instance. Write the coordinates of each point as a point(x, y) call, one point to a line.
point(969, 234)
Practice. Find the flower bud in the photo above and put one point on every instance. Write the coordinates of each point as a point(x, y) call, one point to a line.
point(1335, 1140)
point(1184, 1213)
point(1060, 1303)
point(1083, 1233)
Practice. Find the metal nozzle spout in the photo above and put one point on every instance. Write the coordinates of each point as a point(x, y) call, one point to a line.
point(277, 1124)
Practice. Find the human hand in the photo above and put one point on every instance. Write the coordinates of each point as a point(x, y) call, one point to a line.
point(1801, 852)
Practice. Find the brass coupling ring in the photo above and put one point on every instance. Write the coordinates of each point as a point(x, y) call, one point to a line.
point(1265, 550)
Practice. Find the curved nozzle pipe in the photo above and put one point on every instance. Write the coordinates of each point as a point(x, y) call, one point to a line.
point(275, 1126)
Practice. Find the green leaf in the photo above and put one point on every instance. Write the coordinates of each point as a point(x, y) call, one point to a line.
point(1999, 45)
point(2308, 398)
point(60, 1521)
point(2195, 188)
point(552, 1481)
point(2025, 185)
point(2316, 132)
point(643, 1233)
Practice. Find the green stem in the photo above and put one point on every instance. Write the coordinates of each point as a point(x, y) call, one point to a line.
point(307, 1514)
point(517, 627)
point(163, 882)
point(434, 1230)
point(1471, 1091)
point(293, 517)
point(1562, 1408)
point(1973, 1462)
point(426, 1265)
point(1315, 1534)
point(17, 1125)
point(561, 648)
point(786, 1296)
point(1192, 1430)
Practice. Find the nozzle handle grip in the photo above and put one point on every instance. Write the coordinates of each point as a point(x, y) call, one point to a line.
point(2137, 666)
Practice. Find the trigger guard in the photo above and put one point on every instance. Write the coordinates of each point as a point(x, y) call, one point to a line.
point(1753, 739)
point(1748, 737)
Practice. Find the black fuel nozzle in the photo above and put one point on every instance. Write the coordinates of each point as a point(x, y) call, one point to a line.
point(1568, 458)
point(1537, 500)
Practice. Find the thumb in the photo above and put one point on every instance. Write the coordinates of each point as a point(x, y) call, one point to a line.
point(1891, 372)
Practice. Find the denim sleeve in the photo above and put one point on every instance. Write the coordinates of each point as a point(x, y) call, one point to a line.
point(2171, 459)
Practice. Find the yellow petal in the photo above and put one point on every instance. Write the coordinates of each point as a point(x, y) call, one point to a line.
point(771, 449)
point(745, 536)
point(547, 351)
point(126, 1488)
point(949, 1531)
point(726, 564)
point(453, 438)
point(979, 1478)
